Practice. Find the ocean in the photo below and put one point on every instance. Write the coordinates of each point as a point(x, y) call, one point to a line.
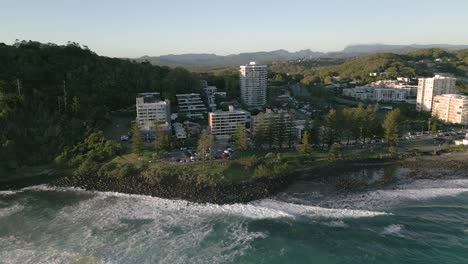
point(419, 221)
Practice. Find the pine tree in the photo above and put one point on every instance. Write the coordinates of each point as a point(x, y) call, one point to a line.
point(335, 152)
point(210, 145)
point(280, 130)
point(161, 140)
point(202, 145)
point(305, 147)
point(290, 128)
point(137, 141)
point(240, 138)
point(260, 130)
point(390, 126)
point(270, 132)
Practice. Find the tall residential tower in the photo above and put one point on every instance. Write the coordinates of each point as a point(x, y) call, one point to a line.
point(430, 87)
point(253, 85)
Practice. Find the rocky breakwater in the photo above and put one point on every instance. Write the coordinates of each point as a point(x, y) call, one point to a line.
point(448, 165)
point(186, 189)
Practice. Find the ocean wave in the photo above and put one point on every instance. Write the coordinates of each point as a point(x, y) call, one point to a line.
point(266, 208)
point(8, 193)
point(315, 211)
point(7, 211)
point(418, 190)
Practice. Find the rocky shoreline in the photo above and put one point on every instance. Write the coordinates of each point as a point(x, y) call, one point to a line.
point(227, 193)
point(428, 167)
point(431, 167)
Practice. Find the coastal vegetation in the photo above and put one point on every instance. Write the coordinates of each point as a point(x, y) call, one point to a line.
point(51, 96)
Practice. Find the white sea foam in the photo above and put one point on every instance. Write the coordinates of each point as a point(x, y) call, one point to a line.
point(315, 211)
point(7, 211)
point(336, 223)
point(7, 193)
point(393, 230)
point(180, 226)
point(418, 190)
point(266, 208)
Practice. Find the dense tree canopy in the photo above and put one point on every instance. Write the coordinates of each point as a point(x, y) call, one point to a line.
point(51, 96)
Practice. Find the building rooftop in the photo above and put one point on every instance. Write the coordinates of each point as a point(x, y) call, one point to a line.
point(150, 97)
point(458, 96)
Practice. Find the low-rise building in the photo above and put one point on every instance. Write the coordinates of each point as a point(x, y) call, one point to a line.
point(223, 124)
point(380, 94)
point(451, 108)
point(152, 111)
point(191, 105)
point(179, 130)
point(211, 92)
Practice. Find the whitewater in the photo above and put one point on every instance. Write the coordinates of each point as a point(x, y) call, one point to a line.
point(420, 221)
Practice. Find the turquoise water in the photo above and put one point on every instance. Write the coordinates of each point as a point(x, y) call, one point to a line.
point(425, 221)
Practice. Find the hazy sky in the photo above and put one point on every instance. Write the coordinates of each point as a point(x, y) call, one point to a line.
point(134, 28)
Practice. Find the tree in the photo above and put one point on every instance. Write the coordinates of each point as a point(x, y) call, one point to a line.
point(390, 126)
point(240, 138)
point(332, 124)
point(434, 121)
point(270, 132)
point(137, 141)
point(335, 152)
point(434, 127)
point(203, 145)
point(210, 143)
point(305, 147)
point(260, 130)
point(371, 122)
point(280, 130)
point(75, 107)
point(290, 127)
point(162, 140)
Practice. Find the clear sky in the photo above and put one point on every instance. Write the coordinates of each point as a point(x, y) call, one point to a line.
point(125, 28)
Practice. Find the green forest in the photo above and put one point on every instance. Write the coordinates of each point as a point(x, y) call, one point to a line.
point(418, 63)
point(52, 96)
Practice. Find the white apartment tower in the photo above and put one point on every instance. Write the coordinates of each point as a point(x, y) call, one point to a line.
point(451, 108)
point(152, 111)
point(430, 87)
point(253, 85)
point(223, 124)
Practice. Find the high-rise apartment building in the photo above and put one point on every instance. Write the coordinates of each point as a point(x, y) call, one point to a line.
point(451, 108)
point(152, 111)
point(253, 85)
point(430, 87)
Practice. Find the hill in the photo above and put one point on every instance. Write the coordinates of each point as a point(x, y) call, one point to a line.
point(51, 96)
point(202, 62)
point(417, 63)
point(213, 62)
point(375, 48)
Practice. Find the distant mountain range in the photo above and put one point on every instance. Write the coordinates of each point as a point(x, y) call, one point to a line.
point(374, 48)
point(204, 61)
